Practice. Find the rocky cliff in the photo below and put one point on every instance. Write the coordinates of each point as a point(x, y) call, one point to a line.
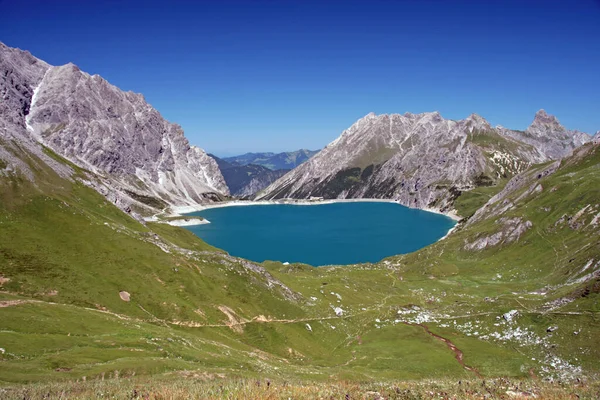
point(20, 72)
point(143, 160)
point(423, 160)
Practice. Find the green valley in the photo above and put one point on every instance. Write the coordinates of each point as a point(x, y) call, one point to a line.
point(89, 293)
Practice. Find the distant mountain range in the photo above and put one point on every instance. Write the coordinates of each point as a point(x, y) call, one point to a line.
point(246, 180)
point(249, 173)
point(273, 161)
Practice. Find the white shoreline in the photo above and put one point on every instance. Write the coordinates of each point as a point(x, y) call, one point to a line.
point(187, 222)
point(179, 210)
point(449, 232)
point(178, 222)
point(452, 214)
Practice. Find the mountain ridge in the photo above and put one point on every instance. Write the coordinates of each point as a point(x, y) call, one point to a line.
point(423, 160)
point(273, 161)
point(113, 133)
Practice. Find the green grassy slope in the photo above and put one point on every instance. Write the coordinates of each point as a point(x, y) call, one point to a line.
point(550, 275)
point(66, 254)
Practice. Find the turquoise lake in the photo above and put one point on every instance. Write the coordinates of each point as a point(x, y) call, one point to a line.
point(324, 234)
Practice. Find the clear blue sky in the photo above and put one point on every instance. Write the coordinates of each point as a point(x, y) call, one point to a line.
point(280, 75)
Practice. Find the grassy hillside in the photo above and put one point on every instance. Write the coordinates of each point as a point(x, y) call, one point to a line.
point(87, 292)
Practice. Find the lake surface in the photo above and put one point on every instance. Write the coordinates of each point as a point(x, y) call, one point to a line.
point(338, 233)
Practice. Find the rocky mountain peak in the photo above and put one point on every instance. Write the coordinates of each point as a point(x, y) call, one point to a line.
point(555, 140)
point(433, 116)
point(359, 125)
point(477, 122)
point(422, 160)
point(476, 117)
point(544, 122)
point(71, 66)
point(369, 117)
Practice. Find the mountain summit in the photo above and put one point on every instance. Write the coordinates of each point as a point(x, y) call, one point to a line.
point(550, 136)
point(112, 133)
point(544, 120)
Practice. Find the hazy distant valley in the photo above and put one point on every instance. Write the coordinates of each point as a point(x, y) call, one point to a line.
point(249, 173)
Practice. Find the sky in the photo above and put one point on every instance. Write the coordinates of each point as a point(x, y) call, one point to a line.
point(270, 75)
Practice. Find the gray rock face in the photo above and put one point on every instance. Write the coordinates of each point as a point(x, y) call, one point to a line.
point(20, 72)
point(112, 133)
point(501, 202)
point(420, 160)
point(548, 135)
point(596, 138)
point(511, 230)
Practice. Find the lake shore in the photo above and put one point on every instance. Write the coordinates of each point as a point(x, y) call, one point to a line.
point(180, 210)
point(177, 221)
point(188, 222)
point(357, 223)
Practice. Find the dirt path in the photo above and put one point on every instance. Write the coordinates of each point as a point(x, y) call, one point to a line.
point(11, 303)
point(458, 354)
point(259, 319)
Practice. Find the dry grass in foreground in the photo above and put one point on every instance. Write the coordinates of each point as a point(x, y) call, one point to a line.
point(183, 388)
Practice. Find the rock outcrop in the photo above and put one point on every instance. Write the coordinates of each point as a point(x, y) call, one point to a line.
point(20, 73)
point(510, 230)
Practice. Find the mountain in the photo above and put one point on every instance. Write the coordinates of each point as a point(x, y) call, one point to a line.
point(247, 180)
point(273, 161)
point(143, 161)
point(19, 152)
point(596, 137)
point(547, 134)
point(89, 294)
point(423, 160)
